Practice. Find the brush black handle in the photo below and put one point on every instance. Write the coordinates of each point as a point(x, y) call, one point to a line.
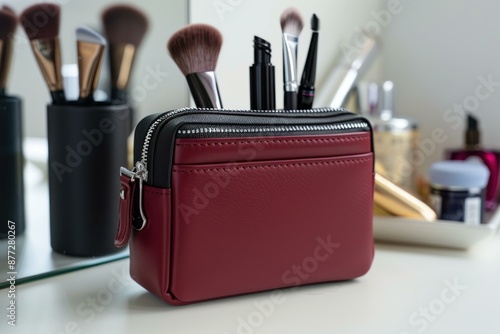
point(306, 97)
point(120, 95)
point(290, 101)
point(306, 89)
point(86, 101)
point(58, 97)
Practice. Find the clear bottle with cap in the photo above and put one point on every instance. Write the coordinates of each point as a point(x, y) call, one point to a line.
point(395, 138)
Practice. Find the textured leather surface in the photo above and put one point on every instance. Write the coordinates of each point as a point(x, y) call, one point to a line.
point(125, 211)
point(150, 247)
point(253, 226)
point(205, 150)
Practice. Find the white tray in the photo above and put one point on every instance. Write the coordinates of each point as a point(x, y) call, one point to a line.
point(441, 233)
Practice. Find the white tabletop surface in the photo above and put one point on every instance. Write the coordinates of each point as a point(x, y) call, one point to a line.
point(408, 290)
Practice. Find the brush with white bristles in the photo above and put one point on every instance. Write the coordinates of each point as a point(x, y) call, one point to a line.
point(291, 25)
point(195, 49)
point(90, 49)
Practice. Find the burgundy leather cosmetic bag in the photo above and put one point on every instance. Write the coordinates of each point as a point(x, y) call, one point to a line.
point(227, 202)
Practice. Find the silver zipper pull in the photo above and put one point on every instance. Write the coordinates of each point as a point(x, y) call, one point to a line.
point(139, 172)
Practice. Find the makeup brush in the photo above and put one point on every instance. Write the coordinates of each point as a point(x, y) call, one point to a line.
point(41, 24)
point(306, 89)
point(90, 49)
point(195, 50)
point(8, 23)
point(124, 28)
point(291, 25)
point(8, 9)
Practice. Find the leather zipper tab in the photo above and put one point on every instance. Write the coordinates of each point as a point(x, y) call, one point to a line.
point(125, 226)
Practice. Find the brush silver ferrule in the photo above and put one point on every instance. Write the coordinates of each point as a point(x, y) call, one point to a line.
point(290, 45)
point(204, 89)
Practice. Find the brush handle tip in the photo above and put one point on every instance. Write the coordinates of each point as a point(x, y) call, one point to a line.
point(290, 100)
point(58, 97)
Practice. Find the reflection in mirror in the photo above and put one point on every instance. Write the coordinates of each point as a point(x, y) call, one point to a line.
point(151, 90)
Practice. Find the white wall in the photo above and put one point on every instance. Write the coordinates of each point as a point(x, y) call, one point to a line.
point(165, 16)
point(435, 51)
point(240, 20)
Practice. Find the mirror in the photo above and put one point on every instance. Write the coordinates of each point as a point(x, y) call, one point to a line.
point(152, 90)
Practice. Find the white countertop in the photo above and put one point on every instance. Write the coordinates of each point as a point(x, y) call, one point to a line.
point(407, 291)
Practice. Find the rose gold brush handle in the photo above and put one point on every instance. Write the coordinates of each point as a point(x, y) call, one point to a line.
point(397, 201)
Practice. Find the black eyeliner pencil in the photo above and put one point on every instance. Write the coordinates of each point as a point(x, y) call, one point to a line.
point(306, 89)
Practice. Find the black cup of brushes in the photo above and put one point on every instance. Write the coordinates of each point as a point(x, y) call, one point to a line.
point(87, 146)
point(87, 141)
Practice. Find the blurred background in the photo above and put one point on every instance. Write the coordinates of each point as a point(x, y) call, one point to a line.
point(436, 52)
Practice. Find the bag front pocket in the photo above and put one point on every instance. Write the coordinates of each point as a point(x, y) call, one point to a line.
point(252, 226)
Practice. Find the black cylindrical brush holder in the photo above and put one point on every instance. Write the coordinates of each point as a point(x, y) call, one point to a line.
point(11, 157)
point(87, 147)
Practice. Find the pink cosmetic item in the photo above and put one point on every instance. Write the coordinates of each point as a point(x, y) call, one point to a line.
point(474, 151)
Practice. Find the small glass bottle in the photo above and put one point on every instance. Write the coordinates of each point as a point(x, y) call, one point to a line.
point(490, 158)
point(457, 190)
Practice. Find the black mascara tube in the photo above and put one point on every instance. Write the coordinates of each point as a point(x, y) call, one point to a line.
point(262, 85)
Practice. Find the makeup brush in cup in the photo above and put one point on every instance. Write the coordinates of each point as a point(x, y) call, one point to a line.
point(8, 23)
point(8, 9)
point(90, 49)
point(41, 24)
point(124, 28)
point(291, 25)
point(195, 50)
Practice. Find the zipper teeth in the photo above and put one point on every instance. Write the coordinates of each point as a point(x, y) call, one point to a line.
point(278, 111)
point(288, 128)
point(149, 134)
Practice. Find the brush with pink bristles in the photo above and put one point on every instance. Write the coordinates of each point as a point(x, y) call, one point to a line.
point(291, 25)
